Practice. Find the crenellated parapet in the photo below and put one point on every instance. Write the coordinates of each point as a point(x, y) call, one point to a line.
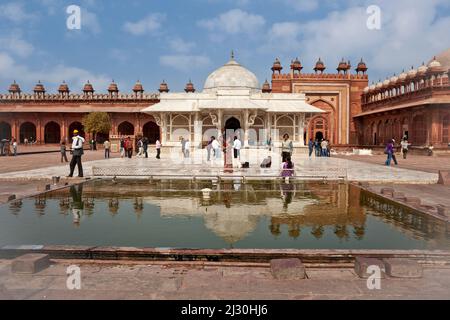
point(81, 98)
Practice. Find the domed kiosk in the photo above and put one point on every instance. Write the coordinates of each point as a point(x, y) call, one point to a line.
point(232, 101)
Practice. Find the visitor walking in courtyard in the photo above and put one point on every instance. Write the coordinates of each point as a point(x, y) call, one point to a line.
point(287, 168)
point(394, 158)
point(145, 146)
point(317, 147)
point(77, 152)
point(237, 145)
point(158, 149)
point(389, 151)
point(122, 147)
point(324, 147)
point(183, 146)
point(310, 147)
point(269, 143)
point(209, 148)
point(107, 146)
point(140, 147)
point(14, 146)
point(405, 145)
point(287, 147)
point(216, 148)
point(129, 147)
point(63, 151)
point(187, 148)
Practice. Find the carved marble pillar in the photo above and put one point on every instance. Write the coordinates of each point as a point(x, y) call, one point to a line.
point(162, 123)
point(197, 130)
point(301, 129)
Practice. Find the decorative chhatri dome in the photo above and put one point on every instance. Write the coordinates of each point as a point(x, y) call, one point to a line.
point(138, 87)
point(277, 66)
point(444, 59)
point(422, 70)
point(14, 88)
point(320, 66)
point(39, 88)
point(386, 83)
point(343, 66)
point(88, 87)
point(296, 65)
point(189, 87)
point(63, 88)
point(163, 87)
point(266, 87)
point(362, 67)
point(113, 87)
point(412, 73)
point(231, 76)
point(402, 76)
point(393, 79)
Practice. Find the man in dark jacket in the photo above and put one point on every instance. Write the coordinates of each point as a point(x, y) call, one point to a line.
point(145, 146)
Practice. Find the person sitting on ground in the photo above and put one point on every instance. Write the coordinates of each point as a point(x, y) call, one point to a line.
point(287, 168)
point(267, 162)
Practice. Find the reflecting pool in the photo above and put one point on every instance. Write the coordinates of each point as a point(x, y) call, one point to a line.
point(205, 214)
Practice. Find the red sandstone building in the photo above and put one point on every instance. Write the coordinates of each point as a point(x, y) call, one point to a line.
point(415, 104)
point(338, 94)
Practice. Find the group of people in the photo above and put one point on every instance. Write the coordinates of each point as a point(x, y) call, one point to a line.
point(127, 148)
point(390, 150)
point(8, 147)
point(322, 148)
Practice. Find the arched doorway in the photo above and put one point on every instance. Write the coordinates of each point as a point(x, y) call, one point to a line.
point(126, 129)
point(76, 126)
point(5, 131)
point(151, 131)
point(52, 133)
point(319, 128)
point(27, 131)
point(232, 124)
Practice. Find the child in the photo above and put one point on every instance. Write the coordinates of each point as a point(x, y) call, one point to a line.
point(287, 168)
point(63, 152)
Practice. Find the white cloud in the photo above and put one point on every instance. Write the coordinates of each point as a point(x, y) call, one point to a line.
point(149, 25)
point(233, 22)
point(185, 62)
point(52, 77)
point(15, 12)
point(89, 20)
point(16, 45)
point(411, 31)
point(180, 45)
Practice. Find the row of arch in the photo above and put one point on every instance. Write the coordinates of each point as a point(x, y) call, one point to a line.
point(379, 132)
point(52, 131)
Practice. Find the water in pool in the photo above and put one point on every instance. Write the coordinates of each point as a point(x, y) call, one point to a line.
point(311, 215)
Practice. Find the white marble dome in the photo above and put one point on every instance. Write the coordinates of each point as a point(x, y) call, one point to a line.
point(231, 76)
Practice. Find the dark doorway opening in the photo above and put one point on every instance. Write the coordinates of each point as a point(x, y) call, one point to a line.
point(27, 131)
point(319, 136)
point(126, 129)
point(5, 131)
point(151, 131)
point(52, 133)
point(232, 124)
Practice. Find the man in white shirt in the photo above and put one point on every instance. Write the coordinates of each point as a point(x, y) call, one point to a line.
point(187, 148)
point(237, 145)
point(216, 146)
point(77, 152)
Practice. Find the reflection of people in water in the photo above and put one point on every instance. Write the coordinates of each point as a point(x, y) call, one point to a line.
point(76, 192)
point(317, 232)
point(287, 193)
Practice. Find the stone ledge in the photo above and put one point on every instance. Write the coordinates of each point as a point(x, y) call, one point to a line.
point(287, 269)
point(403, 268)
point(30, 263)
point(363, 263)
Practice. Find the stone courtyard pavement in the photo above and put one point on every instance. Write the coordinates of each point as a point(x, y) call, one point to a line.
point(173, 164)
point(130, 280)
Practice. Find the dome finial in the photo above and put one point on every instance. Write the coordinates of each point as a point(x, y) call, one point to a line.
point(232, 55)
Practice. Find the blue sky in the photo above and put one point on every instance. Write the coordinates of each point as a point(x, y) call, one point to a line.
point(152, 40)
